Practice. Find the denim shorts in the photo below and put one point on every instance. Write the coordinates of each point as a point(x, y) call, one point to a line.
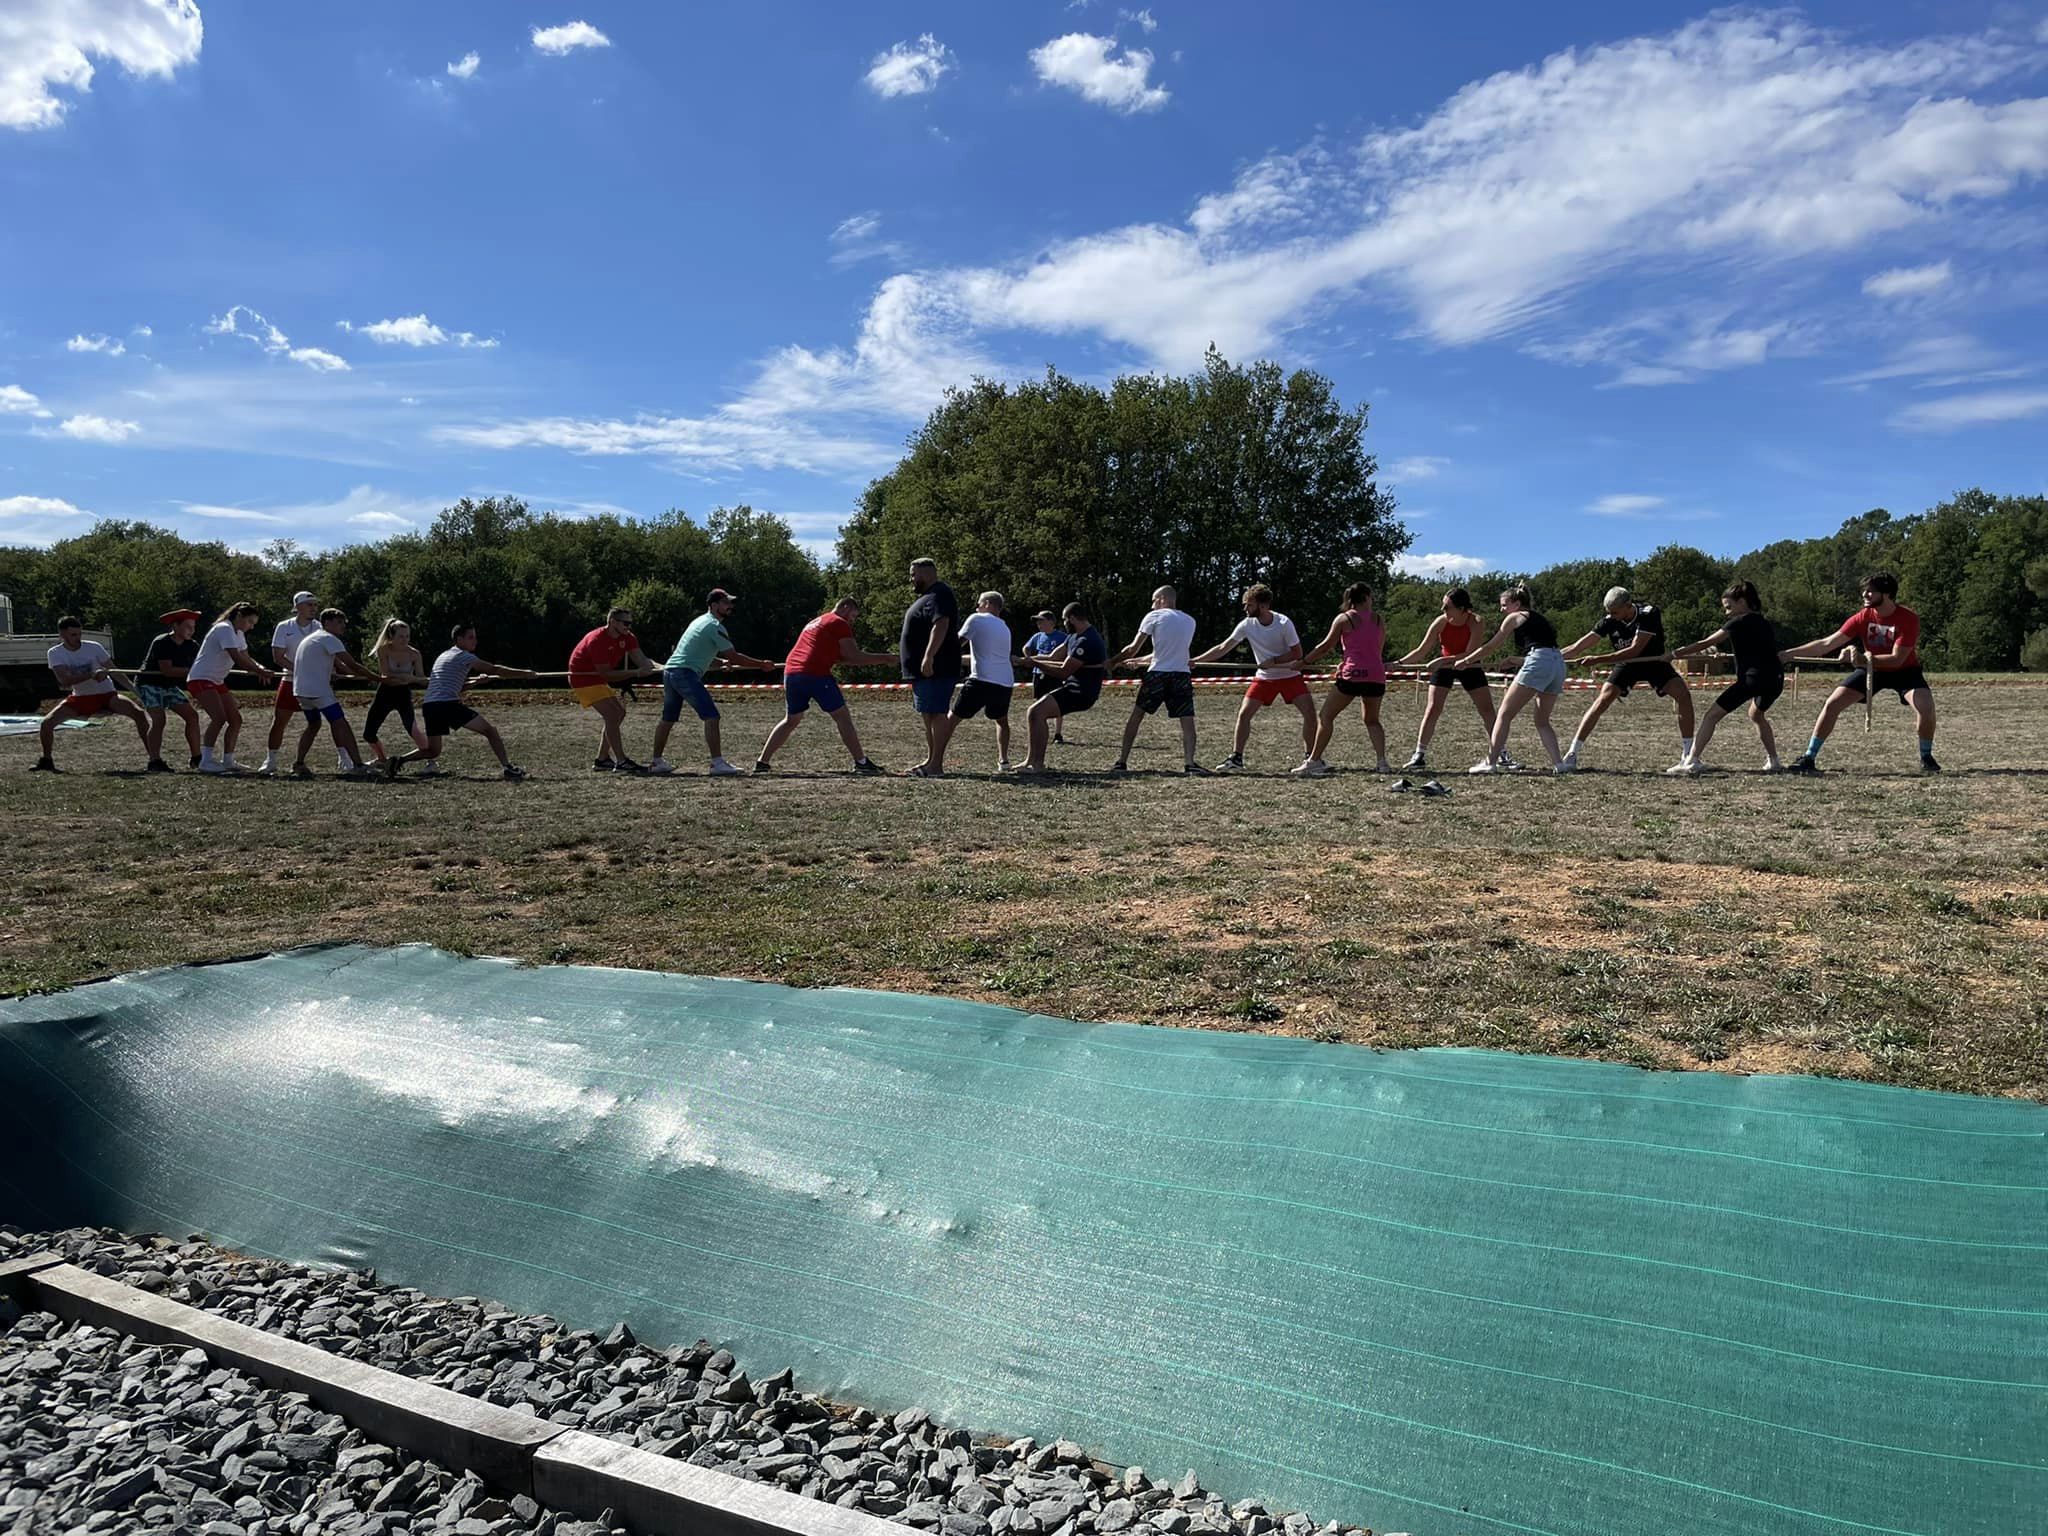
point(1542, 670)
point(680, 686)
point(800, 690)
point(931, 695)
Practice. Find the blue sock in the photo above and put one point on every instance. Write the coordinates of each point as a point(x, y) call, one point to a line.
point(1926, 750)
point(1813, 746)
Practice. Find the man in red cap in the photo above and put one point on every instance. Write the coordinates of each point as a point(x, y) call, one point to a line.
point(161, 682)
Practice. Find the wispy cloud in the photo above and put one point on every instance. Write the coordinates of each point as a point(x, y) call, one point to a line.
point(1908, 282)
point(1141, 19)
point(244, 322)
point(48, 47)
point(1986, 408)
point(465, 68)
point(1421, 466)
point(1098, 70)
point(106, 344)
point(909, 68)
point(568, 37)
point(859, 238)
point(1624, 506)
point(363, 507)
point(1958, 357)
point(98, 429)
point(1443, 565)
point(415, 331)
point(16, 401)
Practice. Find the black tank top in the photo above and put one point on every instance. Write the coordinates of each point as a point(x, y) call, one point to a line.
point(1535, 633)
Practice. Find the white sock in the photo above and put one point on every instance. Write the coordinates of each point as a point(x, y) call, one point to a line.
point(206, 754)
point(1685, 746)
point(270, 759)
point(1573, 749)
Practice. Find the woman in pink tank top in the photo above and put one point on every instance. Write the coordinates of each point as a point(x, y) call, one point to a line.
point(1362, 675)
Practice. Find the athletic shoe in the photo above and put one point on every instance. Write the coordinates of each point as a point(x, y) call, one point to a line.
point(267, 771)
point(1685, 767)
point(869, 765)
point(627, 765)
point(661, 768)
point(1803, 763)
point(1929, 765)
point(1003, 765)
point(924, 771)
point(220, 768)
point(158, 765)
point(1383, 766)
point(429, 770)
point(1311, 768)
point(1231, 764)
point(604, 765)
point(1433, 789)
point(1119, 766)
point(194, 763)
point(357, 771)
point(1570, 761)
point(1415, 762)
point(299, 771)
point(1508, 764)
point(1489, 765)
point(762, 765)
point(44, 765)
point(1772, 765)
point(1195, 770)
point(391, 767)
point(720, 769)
point(1399, 787)
point(513, 772)
point(1059, 741)
point(1680, 766)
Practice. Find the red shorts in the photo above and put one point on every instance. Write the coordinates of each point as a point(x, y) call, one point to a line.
point(85, 705)
point(1265, 690)
point(287, 701)
point(198, 685)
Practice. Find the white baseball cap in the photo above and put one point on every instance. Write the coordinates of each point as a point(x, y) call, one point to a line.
point(303, 597)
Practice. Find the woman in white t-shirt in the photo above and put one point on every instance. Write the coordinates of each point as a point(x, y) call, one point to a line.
point(224, 649)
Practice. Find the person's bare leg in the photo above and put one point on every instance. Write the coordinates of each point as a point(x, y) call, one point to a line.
point(662, 728)
point(1545, 703)
point(782, 730)
point(1605, 700)
point(939, 731)
point(1040, 721)
point(59, 712)
point(1431, 713)
point(1831, 711)
point(216, 719)
point(1187, 740)
point(1369, 711)
point(153, 738)
point(489, 732)
point(233, 733)
point(1482, 700)
point(1243, 734)
point(307, 737)
point(843, 718)
point(280, 720)
point(613, 714)
point(1678, 693)
point(345, 740)
point(135, 716)
point(1764, 733)
point(1003, 737)
point(1707, 727)
point(1511, 703)
point(1131, 728)
point(1922, 700)
point(1326, 723)
point(713, 738)
point(190, 716)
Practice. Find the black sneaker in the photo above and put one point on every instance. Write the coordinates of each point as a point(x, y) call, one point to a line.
point(1119, 766)
point(1929, 765)
point(1399, 787)
point(762, 765)
point(627, 765)
point(43, 765)
point(1803, 763)
point(158, 765)
point(1415, 762)
point(513, 772)
point(391, 767)
point(1433, 788)
point(868, 765)
point(604, 765)
point(301, 771)
point(1196, 771)
point(194, 763)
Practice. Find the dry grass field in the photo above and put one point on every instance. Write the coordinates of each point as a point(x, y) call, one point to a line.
point(1869, 924)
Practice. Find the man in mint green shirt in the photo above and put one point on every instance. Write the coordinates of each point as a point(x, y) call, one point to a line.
point(705, 644)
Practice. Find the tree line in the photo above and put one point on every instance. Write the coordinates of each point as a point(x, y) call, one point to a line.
point(1050, 491)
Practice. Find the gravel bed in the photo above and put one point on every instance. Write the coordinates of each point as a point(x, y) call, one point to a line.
point(88, 1417)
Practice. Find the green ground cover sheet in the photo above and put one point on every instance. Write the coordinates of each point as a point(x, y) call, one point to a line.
point(1446, 1291)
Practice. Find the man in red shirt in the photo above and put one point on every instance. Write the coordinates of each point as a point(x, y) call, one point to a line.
point(1887, 637)
point(603, 658)
point(826, 642)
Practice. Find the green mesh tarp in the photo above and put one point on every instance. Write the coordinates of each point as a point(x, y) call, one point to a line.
point(1446, 1291)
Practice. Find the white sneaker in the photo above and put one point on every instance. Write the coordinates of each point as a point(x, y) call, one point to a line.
point(428, 770)
point(1003, 765)
point(1419, 760)
point(1772, 765)
point(267, 771)
point(1311, 768)
point(1570, 761)
point(661, 767)
point(209, 765)
point(721, 769)
point(1231, 764)
point(1487, 765)
point(1685, 767)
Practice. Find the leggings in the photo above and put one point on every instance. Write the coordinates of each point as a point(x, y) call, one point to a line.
point(389, 700)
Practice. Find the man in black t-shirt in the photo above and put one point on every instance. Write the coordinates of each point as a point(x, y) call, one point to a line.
point(1080, 668)
point(1634, 633)
point(930, 651)
point(161, 682)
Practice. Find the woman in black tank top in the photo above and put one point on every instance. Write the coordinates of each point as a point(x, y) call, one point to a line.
point(1541, 678)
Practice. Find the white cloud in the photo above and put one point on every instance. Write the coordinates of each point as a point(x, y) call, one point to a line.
point(363, 507)
point(244, 322)
point(1087, 64)
point(38, 520)
point(569, 36)
point(106, 344)
point(1907, 282)
point(143, 331)
point(49, 45)
point(388, 521)
point(715, 443)
point(465, 68)
point(1624, 506)
point(859, 238)
point(416, 331)
point(1988, 408)
point(221, 514)
point(16, 401)
point(1422, 466)
point(1142, 19)
point(37, 506)
point(1440, 565)
point(98, 429)
point(909, 68)
point(1956, 356)
point(1278, 191)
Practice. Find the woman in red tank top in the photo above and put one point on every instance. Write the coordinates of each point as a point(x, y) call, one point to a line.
point(1451, 634)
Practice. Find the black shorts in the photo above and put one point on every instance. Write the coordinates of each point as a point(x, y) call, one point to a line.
point(977, 697)
point(1760, 688)
point(1650, 674)
point(1041, 685)
point(1175, 690)
point(446, 719)
point(1359, 688)
point(1900, 680)
point(1471, 679)
point(1076, 696)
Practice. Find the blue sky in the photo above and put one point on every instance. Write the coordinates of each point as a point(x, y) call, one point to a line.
point(1609, 275)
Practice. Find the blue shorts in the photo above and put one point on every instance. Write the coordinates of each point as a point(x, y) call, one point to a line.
point(1543, 670)
point(931, 695)
point(680, 686)
point(800, 690)
point(315, 713)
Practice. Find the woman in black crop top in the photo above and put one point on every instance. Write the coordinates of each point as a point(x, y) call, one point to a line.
point(1759, 675)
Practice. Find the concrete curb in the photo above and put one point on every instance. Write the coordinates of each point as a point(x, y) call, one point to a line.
point(565, 1469)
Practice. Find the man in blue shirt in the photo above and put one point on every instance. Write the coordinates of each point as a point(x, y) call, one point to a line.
point(1043, 643)
point(1080, 668)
